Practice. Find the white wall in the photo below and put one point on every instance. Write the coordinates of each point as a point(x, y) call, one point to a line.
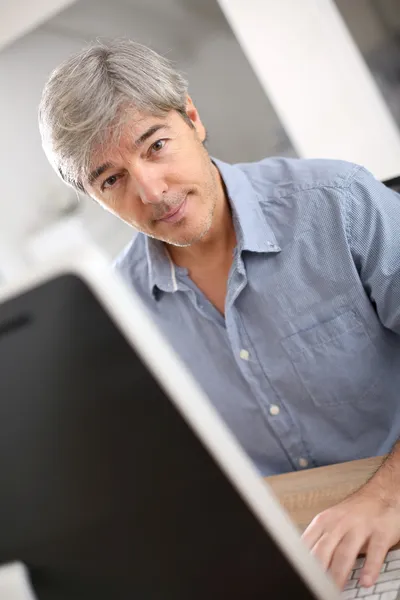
point(27, 178)
point(20, 16)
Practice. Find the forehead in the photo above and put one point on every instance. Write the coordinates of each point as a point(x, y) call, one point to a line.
point(123, 135)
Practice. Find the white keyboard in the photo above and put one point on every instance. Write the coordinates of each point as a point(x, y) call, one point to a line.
point(387, 586)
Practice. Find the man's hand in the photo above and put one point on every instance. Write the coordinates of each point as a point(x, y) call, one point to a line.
point(365, 521)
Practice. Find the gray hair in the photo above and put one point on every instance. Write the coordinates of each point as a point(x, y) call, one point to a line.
point(87, 98)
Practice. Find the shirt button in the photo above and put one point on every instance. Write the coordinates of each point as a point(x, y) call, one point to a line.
point(303, 462)
point(244, 355)
point(274, 410)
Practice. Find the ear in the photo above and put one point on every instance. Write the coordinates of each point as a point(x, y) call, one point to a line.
point(194, 116)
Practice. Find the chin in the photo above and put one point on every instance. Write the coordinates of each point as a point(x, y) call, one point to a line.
point(184, 237)
point(183, 241)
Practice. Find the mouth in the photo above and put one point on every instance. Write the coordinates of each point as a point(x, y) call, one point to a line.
point(176, 214)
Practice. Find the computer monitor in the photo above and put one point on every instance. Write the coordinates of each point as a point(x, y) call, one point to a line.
point(117, 479)
point(393, 183)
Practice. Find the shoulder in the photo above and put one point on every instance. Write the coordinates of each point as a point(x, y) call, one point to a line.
point(298, 195)
point(282, 177)
point(302, 192)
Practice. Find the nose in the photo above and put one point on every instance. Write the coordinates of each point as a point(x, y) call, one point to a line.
point(149, 182)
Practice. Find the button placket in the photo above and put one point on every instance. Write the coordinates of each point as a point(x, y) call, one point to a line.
point(278, 419)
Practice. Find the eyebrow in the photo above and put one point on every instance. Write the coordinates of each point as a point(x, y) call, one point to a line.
point(95, 174)
point(98, 171)
point(149, 132)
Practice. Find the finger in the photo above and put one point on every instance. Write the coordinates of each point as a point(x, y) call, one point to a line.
point(325, 547)
point(313, 532)
point(344, 556)
point(376, 552)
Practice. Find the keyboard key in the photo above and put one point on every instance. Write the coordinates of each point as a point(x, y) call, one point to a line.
point(392, 555)
point(349, 594)
point(357, 573)
point(359, 562)
point(394, 564)
point(363, 592)
point(388, 596)
point(389, 575)
point(387, 586)
point(351, 584)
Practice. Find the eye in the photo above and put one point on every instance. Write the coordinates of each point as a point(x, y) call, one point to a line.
point(157, 146)
point(109, 182)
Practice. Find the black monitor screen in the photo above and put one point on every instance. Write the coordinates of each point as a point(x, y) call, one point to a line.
point(105, 492)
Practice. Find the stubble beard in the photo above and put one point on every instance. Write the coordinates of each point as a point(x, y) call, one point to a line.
point(186, 243)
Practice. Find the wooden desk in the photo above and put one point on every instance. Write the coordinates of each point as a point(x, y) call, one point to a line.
point(304, 494)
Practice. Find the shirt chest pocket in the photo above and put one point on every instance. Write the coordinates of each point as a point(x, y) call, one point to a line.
point(335, 361)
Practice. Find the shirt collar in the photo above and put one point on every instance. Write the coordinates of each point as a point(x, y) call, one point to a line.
point(162, 271)
point(252, 230)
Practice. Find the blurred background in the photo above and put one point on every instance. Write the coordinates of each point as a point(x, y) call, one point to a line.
point(311, 78)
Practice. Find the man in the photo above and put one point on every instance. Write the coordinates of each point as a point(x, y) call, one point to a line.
point(278, 282)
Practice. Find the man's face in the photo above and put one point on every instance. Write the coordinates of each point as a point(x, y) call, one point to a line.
point(159, 178)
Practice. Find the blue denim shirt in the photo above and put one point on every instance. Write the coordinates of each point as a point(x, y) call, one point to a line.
point(305, 366)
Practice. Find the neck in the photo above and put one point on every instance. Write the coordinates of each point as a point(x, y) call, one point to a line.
point(217, 244)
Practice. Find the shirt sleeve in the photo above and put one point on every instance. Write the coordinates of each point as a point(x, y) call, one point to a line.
point(373, 229)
